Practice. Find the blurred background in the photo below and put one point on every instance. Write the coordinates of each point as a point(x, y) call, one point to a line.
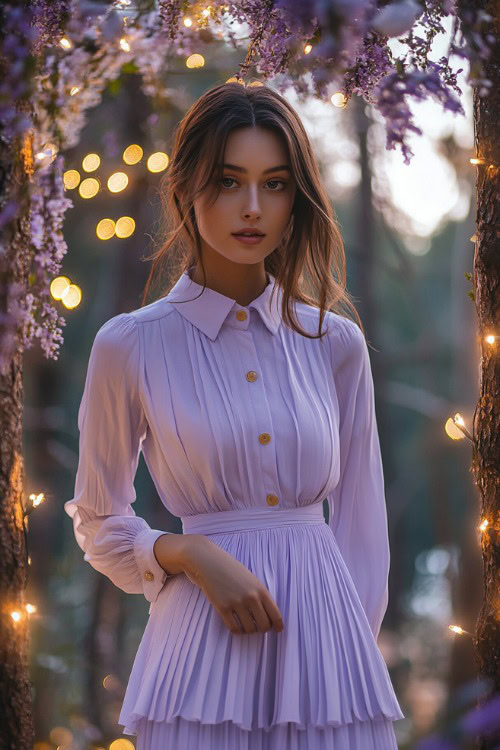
point(407, 232)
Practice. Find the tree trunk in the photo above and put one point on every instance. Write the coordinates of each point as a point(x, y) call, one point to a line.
point(16, 723)
point(486, 450)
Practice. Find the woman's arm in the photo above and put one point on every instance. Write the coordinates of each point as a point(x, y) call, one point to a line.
point(112, 426)
point(358, 515)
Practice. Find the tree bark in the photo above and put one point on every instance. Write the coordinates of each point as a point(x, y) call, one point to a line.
point(486, 428)
point(16, 723)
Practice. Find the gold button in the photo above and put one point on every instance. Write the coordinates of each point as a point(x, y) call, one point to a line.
point(264, 438)
point(241, 315)
point(149, 576)
point(252, 375)
point(272, 500)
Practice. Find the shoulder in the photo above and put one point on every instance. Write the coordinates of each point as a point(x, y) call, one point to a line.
point(344, 335)
point(348, 348)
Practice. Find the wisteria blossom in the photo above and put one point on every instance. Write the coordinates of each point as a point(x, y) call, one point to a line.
point(57, 57)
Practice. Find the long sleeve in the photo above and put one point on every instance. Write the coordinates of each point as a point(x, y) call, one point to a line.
point(357, 508)
point(112, 426)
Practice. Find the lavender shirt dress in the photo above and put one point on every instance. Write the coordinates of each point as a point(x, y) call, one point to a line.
point(246, 427)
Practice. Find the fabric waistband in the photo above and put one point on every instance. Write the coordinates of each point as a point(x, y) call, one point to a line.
point(246, 519)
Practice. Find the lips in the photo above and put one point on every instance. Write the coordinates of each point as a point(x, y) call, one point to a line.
point(248, 234)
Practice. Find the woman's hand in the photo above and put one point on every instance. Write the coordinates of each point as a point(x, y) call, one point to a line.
point(231, 588)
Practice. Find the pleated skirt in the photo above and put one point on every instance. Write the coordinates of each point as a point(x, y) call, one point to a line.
point(374, 734)
point(321, 682)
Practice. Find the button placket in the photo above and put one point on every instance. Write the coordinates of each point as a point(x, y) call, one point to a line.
point(260, 407)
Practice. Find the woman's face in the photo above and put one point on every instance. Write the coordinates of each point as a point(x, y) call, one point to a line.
point(257, 192)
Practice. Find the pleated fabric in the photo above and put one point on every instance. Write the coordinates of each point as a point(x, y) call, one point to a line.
point(324, 668)
point(246, 427)
point(376, 734)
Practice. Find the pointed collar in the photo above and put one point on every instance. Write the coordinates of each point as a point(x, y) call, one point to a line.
point(208, 309)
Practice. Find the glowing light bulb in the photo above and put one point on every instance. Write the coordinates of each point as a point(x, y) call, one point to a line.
point(105, 229)
point(187, 21)
point(58, 285)
point(124, 45)
point(307, 49)
point(195, 61)
point(117, 182)
point(158, 161)
point(338, 99)
point(89, 188)
point(66, 43)
point(71, 179)
point(133, 154)
point(91, 162)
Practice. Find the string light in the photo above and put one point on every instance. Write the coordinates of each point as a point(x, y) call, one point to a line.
point(91, 162)
point(117, 182)
point(66, 43)
point(124, 44)
point(71, 179)
point(459, 630)
point(339, 99)
point(158, 161)
point(187, 21)
point(483, 525)
point(491, 338)
point(89, 188)
point(63, 290)
point(307, 49)
point(105, 229)
point(195, 61)
point(455, 428)
point(132, 154)
point(74, 91)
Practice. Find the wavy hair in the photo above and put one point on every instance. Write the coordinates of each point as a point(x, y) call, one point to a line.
point(309, 263)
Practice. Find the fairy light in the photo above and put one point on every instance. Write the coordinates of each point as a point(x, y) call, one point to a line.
point(89, 188)
point(158, 161)
point(195, 61)
point(71, 179)
point(459, 630)
point(307, 49)
point(206, 12)
point(490, 338)
point(133, 154)
point(91, 162)
point(36, 500)
point(66, 43)
point(72, 297)
point(124, 44)
point(125, 227)
point(117, 182)
point(58, 285)
point(483, 525)
point(187, 21)
point(338, 99)
point(47, 154)
point(105, 229)
point(477, 161)
point(74, 90)
point(459, 423)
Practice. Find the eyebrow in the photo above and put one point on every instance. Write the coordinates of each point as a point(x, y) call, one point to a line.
point(266, 171)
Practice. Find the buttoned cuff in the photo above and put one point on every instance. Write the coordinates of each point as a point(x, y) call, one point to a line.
point(152, 574)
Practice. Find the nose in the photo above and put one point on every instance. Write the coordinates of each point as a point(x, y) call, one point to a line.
point(251, 206)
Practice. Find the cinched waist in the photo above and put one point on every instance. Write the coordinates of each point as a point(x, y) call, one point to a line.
point(246, 519)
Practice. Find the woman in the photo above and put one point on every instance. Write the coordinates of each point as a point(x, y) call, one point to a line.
point(263, 617)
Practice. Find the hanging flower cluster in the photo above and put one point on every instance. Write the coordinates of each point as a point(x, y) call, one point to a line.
point(316, 47)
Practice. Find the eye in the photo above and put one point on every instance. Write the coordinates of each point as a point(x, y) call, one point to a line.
point(282, 182)
point(227, 178)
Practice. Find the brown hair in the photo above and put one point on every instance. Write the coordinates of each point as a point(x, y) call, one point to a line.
point(311, 251)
